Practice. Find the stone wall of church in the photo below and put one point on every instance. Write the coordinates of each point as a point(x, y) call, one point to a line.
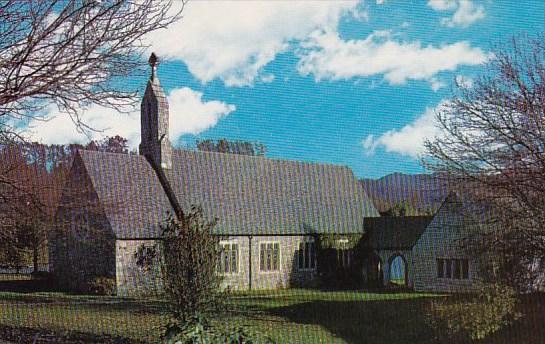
point(131, 279)
point(443, 239)
point(287, 275)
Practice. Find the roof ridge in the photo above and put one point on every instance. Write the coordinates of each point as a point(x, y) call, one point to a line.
point(264, 158)
point(91, 151)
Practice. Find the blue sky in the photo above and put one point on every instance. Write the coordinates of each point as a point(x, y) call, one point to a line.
point(351, 83)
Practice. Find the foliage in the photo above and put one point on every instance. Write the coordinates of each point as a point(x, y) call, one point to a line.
point(485, 313)
point(287, 316)
point(102, 286)
point(336, 241)
point(187, 258)
point(232, 147)
point(32, 177)
point(405, 208)
point(199, 331)
point(110, 144)
point(491, 147)
point(190, 257)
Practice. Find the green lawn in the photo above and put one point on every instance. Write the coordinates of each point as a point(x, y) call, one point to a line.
point(288, 316)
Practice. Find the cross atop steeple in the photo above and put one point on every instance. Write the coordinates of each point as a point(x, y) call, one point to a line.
point(153, 62)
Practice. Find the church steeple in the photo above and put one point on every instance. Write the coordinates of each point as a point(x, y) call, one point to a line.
point(154, 121)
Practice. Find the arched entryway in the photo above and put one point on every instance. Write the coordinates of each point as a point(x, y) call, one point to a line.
point(398, 272)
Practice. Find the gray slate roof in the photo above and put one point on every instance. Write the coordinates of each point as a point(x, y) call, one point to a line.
point(256, 195)
point(133, 200)
point(248, 195)
point(395, 232)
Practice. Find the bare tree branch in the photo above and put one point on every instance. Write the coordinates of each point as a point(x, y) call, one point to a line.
point(493, 143)
point(73, 53)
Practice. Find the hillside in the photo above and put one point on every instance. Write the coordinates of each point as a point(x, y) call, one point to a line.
point(420, 194)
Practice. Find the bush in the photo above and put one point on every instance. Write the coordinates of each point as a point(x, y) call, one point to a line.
point(187, 258)
point(102, 286)
point(476, 318)
point(190, 257)
point(198, 330)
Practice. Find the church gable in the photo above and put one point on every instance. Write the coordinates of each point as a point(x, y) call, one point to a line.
point(443, 262)
point(81, 246)
point(129, 190)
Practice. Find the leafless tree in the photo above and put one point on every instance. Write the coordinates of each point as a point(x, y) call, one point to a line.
point(493, 144)
point(73, 53)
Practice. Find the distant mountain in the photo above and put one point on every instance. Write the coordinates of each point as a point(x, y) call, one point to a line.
point(420, 194)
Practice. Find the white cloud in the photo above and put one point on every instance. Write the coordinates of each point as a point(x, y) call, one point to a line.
point(409, 140)
point(380, 2)
point(442, 5)
point(189, 114)
point(326, 56)
point(466, 12)
point(234, 40)
point(436, 84)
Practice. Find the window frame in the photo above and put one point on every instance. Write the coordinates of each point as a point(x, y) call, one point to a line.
point(440, 267)
point(229, 243)
point(344, 252)
point(465, 269)
point(312, 243)
point(262, 264)
point(453, 269)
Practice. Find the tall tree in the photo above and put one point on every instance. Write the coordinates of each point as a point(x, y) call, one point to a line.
point(36, 174)
point(71, 53)
point(232, 147)
point(493, 144)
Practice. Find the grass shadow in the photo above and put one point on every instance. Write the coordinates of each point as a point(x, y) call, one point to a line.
point(111, 303)
point(43, 336)
point(27, 285)
point(388, 321)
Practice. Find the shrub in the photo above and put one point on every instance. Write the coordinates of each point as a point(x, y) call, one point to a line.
point(187, 258)
point(190, 255)
point(198, 330)
point(477, 317)
point(102, 286)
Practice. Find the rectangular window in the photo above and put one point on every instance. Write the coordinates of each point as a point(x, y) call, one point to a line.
point(457, 268)
point(453, 268)
point(306, 256)
point(344, 257)
point(269, 256)
point(448, 270)
point(228, 263)
point(440, 268)
point(465, 269)
point(344, 254)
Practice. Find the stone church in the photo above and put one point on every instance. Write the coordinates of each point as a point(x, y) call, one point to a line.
point(269, 213)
